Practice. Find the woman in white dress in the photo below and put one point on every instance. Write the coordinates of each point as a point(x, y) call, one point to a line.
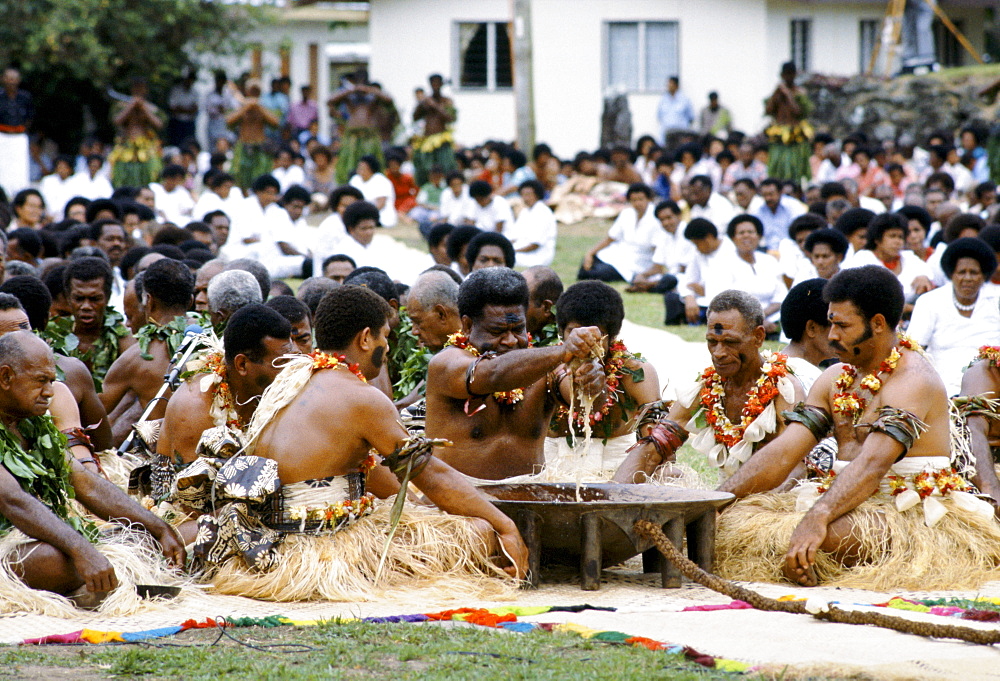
point(755, 272)
point(885, 246)
point(377, 189)
point(953, 321)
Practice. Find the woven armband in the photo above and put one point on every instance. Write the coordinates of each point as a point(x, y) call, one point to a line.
point(816, 419)
point(666, 436)
point(412, 455)
point(899, 424)
point(977, 405)
point(652, 413)
point(77, 436)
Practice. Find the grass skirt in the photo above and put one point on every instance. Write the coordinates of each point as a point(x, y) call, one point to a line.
point(962, 551)
point(134, 555)
point(442, 556)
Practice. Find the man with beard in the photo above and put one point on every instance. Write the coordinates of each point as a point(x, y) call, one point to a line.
point(307, 542)
point(492, 395)
point(733, 408)
point(893, 512)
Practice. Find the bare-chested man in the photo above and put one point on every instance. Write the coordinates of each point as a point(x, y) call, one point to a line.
point(544, 289)
point(135, 159)
point(489, 393)
point(734, 407)
point(60, 553)
point(630, 384)
point(95, 334)
point(137, 375)
point(202, 277)
point(35, 301)
point(888, 409)
point(433, 148)
point(982, 379)
point(255, 337)
point(360, 133)
point(250, 157)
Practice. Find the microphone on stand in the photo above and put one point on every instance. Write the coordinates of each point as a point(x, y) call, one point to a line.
point(170, 380)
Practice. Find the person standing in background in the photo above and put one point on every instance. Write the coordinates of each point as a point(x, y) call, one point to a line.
point(17, 110)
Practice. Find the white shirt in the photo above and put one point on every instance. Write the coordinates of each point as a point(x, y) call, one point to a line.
point(718, 210)
point(535, 225)
point(209, 202)
point(951, 339)
point(289, 176)
point(635, 241)
point(378, 186)
point(57, 192)
point(912, 267)
point(175, 206)
point(762, 279)
point(98, 187)
point(452, 206)
point(806, 372)
point(713, 271)
point(329, 234)
point(486, 217)
point(673, 252)
point(791, 257)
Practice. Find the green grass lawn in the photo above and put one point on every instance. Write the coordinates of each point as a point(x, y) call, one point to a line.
point(356, 651)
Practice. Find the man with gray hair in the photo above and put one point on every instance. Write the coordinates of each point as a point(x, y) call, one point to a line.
point(432, 304)
point(312, 290)
point(229, 291)
point(735, 406)
point(258, 271)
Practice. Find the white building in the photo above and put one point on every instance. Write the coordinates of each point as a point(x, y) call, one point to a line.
point(585, 48)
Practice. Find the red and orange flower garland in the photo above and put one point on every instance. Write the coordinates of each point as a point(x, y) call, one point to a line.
point(848, 402)
point(991, 353)
point(324, 360)
point(507, 397)
point(713, 399)
point(214, 363)
point(618, 355)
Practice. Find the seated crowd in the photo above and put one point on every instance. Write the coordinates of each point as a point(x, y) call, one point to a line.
point(452, 368)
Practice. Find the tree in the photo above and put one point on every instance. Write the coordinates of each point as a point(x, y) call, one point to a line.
point(72, 51)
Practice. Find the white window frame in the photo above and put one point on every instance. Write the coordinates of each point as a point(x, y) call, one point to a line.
point(806, 66)
point(864, 58)
point(491, 56)
point(641, 57)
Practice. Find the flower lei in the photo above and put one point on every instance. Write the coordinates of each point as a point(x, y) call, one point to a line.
point(41, 468)
point(323, 360)
point(223, 404)
point(507, 397)
point(848, 402)
point(713, 399)
point(171, 333)
point(614, 367)
point(991, 353)
point(101, 355)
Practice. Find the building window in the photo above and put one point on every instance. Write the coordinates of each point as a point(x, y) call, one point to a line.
point(868, 32)
point(950, 52)
point(483, 56)
point(641, 54)
point(801, 43)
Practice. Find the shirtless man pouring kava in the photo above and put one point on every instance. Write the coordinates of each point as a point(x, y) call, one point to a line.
point(492, 395)
point(893, 512)
point(322, 531)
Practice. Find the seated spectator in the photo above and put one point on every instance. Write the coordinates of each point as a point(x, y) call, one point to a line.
point(853, 224)
point(918, 222)
point(628, 248)
point(886, 237)
point(827, 249)
point(791, 251)
point(710, 271)
point(776, 213)
point(754, 272)
point(338, 267)
point(331, 231)
point(285, 171)
point(489, 249)
point(952, 322)
point(428, 210)
point(457, 244)
point(437, 244)
point(376, 189)
point(174, 202)
point(454, 197)
point(403, 185)
point(534, 232)
point(486, 210)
